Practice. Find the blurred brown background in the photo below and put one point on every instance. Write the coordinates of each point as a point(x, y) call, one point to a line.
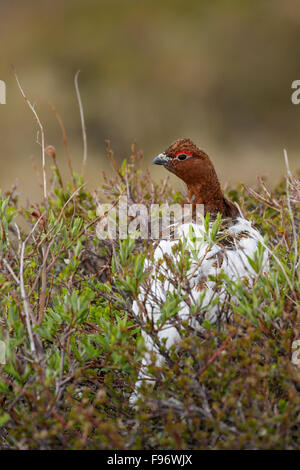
point(219, 72)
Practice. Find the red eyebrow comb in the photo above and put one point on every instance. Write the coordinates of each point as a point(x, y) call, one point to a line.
point(186, 152)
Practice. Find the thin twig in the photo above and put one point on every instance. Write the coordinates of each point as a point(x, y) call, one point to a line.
point(25, 299)
point(11, 270)
point(217, 352)
point(24, 296)
point(65, 139)
point(279, 264)
point(31, 106)
point(289, 180)
point(82, 123)
point(61, 214)
point(45, 251)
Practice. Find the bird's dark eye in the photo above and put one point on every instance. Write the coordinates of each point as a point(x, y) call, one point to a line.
point(182, 156)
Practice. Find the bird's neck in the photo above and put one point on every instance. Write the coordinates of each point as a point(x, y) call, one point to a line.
point(210, 195)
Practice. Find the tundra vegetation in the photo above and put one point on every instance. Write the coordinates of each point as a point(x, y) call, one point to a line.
point(73, 344)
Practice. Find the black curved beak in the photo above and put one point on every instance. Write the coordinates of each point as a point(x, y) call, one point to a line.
point(161, 159)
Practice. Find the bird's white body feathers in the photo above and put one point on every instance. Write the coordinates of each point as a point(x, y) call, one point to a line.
point(229, 253)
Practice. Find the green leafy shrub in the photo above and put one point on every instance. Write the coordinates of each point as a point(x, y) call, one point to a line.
point(73, 344)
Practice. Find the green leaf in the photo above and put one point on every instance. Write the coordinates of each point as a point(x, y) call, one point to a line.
point(4, 418)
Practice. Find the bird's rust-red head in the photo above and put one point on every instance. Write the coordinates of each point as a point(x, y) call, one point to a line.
point(194, 167)
point(185, 160)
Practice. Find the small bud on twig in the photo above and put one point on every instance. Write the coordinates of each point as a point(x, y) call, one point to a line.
point(51, 152)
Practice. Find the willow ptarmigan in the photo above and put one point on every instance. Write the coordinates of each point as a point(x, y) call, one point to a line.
point(236, 242)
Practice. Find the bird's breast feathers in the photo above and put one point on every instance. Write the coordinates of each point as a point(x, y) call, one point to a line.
point(228, 251)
